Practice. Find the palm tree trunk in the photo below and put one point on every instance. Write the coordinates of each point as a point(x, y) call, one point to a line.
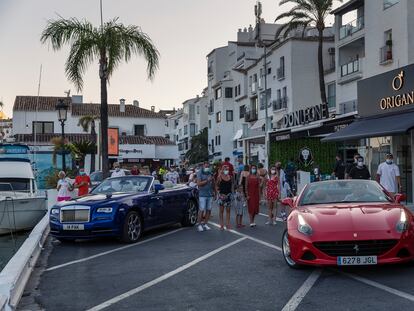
point(93, 155)
point(104, 115)
point(321, 70)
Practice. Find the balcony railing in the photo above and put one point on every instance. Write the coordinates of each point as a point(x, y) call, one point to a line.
point(241, 56)
point(280, 73)
point(350, 68)
point(348, 107)
point(280, 103)
point(250, 116)
point(385, 54)
point(351, 28)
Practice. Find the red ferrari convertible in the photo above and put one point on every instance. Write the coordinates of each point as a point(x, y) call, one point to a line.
point(347, 222)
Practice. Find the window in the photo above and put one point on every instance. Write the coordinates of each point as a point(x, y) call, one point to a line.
point(242, 111)
point(240, 143)
point(239, 89)
point(235, 92)
point(284, 92)
point(331, 95)
point(218, 117)
point(212, 145)
point(389, 3)
point(43, 127)
point(185, 129)
point(193, 129)
point(180, 132)
point(218, 140)
point(139, 130)
point(234, 144)
point(282, 62)
point(279, 94)
point(386, 50)
point(255, 78)
point(209, 124)
point(198, 109)
point(166, 123)
point(269, 70)
point(192, 112)
point(229, 115)
point(250, 81)
point(218, 93)
point(265, 97)
point(228, 92)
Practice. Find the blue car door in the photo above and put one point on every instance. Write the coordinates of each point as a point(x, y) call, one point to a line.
point(169, 205)
point(156, 204)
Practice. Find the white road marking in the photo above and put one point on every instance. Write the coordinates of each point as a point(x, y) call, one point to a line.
point(163, 277)
point(297, 297)
point(112, 251)
point(267, 216)
point(379, 286)
point(249, 237)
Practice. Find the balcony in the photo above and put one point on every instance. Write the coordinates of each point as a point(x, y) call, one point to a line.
point(351, 28)
point(386, 56)
point(250, 116)
point(351, 71)
point(280, 73)
point(280, 103)
point(348, 107)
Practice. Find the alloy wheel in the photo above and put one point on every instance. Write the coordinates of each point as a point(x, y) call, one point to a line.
point(192, 213)
point(286, 250)
point(134, 227)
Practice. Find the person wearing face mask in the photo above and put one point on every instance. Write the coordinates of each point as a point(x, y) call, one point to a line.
point(284, 189)
point(204, 181)
point(360, 170)
point(272, 192)
point(253, 186)
point(224, 188)
point(118, 172)
point(82, 182)
point(350, 166)
point(388, 175)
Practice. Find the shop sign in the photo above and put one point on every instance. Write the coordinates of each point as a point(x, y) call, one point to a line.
point(305, 116)
point(282, 137)
point(305, 156)
point(386, 93)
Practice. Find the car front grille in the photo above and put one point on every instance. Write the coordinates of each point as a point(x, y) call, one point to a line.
point(356, 248)
point(74, 215)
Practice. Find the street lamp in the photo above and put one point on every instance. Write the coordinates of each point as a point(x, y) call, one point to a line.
point(62, 111)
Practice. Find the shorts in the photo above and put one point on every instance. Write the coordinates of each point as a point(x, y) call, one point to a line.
point(225, 200)
point(205, 203)
point(240, 208)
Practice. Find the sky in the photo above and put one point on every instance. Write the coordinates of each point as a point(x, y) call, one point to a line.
point(184, 32)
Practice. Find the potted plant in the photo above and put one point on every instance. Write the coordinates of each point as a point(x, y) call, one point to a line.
point(389, 49)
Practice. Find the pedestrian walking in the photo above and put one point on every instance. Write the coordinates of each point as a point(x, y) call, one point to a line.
point(360, 171)
point(229, 165)
point(205, 196)
point(224, 189)
point(240, 206)
point(388, 175)
point(82, 182)
point(290, 173)
point(192, 180)
point(284, 190)
point(135, 171)
point(253, 194)
point(262, 172)
point(351, 165)
point(172, 175)
point(272, 190)
point(339, 169)
point(64, 187)
point(118, 172)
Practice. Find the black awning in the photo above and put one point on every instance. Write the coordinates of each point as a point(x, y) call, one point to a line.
point(375, 127)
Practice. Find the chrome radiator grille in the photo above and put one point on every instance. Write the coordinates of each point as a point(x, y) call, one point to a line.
point(74, 214)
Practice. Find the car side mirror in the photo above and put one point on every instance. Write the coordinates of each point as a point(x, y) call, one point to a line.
point(158, 188)
point(399, 197)
point(288, 202)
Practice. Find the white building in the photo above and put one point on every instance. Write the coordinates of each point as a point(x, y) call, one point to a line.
point(141, 132)
point(187, 122)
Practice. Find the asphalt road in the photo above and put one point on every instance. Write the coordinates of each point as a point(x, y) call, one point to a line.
point(182, 269)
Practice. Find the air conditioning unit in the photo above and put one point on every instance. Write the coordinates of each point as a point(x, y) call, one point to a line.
point(331, 51)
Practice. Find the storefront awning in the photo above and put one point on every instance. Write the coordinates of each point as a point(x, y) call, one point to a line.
point(258, 124)
point(238, 135)
point(375, 127)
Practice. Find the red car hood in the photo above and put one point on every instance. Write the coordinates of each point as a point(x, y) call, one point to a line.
point(352, 221)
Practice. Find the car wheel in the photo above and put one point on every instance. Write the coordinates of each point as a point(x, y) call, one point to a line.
point(286, 251)
point(191, 215)
point(132, 227)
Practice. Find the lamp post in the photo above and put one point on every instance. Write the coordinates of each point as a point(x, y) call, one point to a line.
point(62, 111)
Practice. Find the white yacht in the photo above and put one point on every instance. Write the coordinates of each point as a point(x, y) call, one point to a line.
point(21, 206)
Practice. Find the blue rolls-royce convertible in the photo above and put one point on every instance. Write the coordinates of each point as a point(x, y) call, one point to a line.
point(124, 207)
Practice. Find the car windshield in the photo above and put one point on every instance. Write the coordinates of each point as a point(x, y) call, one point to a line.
point(123, 184)
point(344, 191)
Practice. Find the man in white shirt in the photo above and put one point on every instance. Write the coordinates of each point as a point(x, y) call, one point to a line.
point(388, 175)
point(172, 175)
point(118, 172)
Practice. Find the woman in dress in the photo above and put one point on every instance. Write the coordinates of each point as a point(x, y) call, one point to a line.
point(64, 187)
point(253, 194)
point(224, 188)
point(272, 192)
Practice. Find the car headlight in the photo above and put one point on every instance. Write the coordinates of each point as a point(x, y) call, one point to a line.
point(303, 226)
point(104, 210)
point(54, 211)
point(402, 224)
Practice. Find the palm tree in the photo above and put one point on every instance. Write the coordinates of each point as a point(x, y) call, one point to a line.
point(111, 43)
point(1, 105)
point(199, 148)
point(81, 149)
point(304, 14)
point(87, 122)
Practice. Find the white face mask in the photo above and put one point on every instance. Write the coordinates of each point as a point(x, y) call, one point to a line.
point(273, 172)
point(117, 169)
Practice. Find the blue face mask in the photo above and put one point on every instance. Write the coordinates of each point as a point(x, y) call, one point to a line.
point(254, 171)
point(206, 170)
point(82, 173)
